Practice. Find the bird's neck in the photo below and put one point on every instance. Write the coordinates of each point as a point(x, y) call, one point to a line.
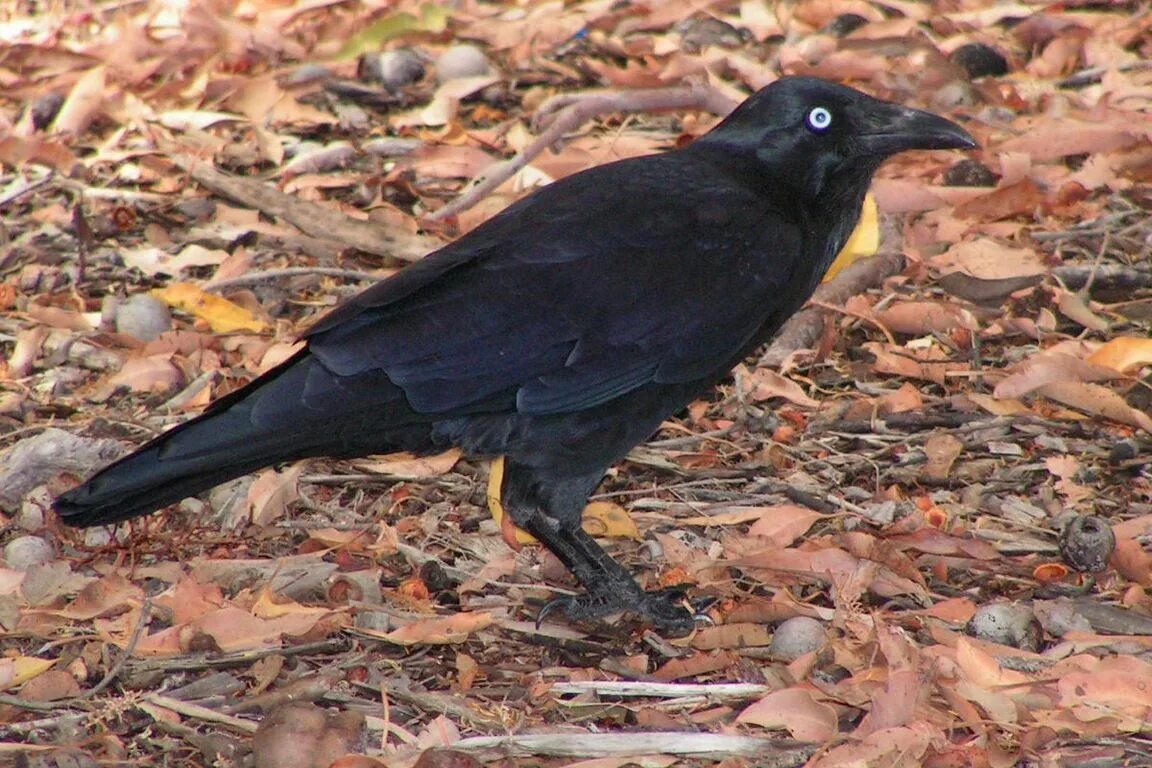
point(834, 221)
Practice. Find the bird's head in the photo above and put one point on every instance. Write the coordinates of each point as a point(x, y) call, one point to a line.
point(824, 141)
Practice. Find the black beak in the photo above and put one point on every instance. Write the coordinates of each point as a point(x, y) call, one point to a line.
point(898, 129)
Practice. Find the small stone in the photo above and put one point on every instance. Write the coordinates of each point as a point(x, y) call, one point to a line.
point(393, 69)
point(797, 636)
point(143, 316)
point(23, 552)
point(1011, 624)
point(462, 61)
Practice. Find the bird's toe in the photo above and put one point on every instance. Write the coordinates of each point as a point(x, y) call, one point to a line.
point(666, 610)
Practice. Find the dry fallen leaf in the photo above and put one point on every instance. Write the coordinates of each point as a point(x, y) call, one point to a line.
point(222, 316)
point(1046, 368)
point(1124, 354)
point(15, 671)
point(805, 718)
point(447, 630)
point(782, 525)
point(408, 465)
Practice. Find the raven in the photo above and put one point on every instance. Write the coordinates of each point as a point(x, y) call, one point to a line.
point(564, 330)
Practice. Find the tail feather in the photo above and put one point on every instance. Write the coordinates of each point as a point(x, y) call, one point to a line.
point(160, 474)
point(285, 415)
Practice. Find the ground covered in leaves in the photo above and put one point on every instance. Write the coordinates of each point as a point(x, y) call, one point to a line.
point(923, 513)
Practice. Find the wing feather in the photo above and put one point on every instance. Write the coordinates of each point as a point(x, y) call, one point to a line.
point(556, 305)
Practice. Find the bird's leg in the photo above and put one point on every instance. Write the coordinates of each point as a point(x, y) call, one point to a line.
point(548, 504)
point(610, 588)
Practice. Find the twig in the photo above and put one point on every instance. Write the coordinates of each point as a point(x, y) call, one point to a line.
point(243, 658)
point(200, 713)
point(180, 399)
point(269, 275)
point(1095, 74)
point(129, 649)
point(84, 240)
point(912, 421)
point(1114, 276)
point(831, 309)
point(33, 706)
point(769, 753)
point(431, 701)
point(712, 691)
point(805, 327)
point(25, 189)
point(54, 706)
point(567, 113)
point(313, 219)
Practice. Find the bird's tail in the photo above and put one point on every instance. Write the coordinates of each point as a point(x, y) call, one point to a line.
point(272, 420)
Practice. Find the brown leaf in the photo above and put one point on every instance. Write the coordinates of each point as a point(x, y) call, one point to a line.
point(83, 103)
point(270, 494)
point(1111, 683)
point(1132, 561)
point(901, 746)
point(409, 465)
point(16, 151)
point(53, 685)
point(783, 524)
point(188, 600)
point(446, 630)
point(942, 451)
point(112, 593)
point(921, 318)
point(764, 384)
point(732, 635)
point(989, 260)
point(1097, 401)
point(805, 718)
point(830, 564)
point(446, 758)
point(1046, 368)
point(1056, 139)
point(155, 373)
point(1022, 198)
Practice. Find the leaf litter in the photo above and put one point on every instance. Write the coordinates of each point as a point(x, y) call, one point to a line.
point(919, 458)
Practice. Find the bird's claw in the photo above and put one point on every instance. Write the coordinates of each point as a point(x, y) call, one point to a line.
point(665, 609)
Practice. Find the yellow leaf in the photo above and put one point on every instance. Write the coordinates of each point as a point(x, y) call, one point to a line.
point(1123, 354)
point(433, 18)
point(222, 316)
point(864, 242)
point(270, 606)
point(601, 518)
point(19, 670)
point(608, 520)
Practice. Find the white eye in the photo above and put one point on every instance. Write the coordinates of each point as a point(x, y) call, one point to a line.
point(819, 119)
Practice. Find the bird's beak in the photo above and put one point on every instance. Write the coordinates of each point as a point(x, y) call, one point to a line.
point(898, 129)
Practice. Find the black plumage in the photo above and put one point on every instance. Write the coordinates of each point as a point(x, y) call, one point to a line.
point(560, 333)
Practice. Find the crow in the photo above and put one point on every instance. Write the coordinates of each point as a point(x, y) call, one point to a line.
point(564, 330)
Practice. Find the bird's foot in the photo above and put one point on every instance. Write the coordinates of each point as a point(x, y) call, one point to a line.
point(667, 610)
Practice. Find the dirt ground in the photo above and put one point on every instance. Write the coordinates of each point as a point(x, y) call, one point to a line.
point(922, 514)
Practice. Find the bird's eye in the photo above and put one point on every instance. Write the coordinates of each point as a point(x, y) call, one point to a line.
point(819, 120)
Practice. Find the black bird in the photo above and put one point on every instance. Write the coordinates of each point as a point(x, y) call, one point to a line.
point(560, 333)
